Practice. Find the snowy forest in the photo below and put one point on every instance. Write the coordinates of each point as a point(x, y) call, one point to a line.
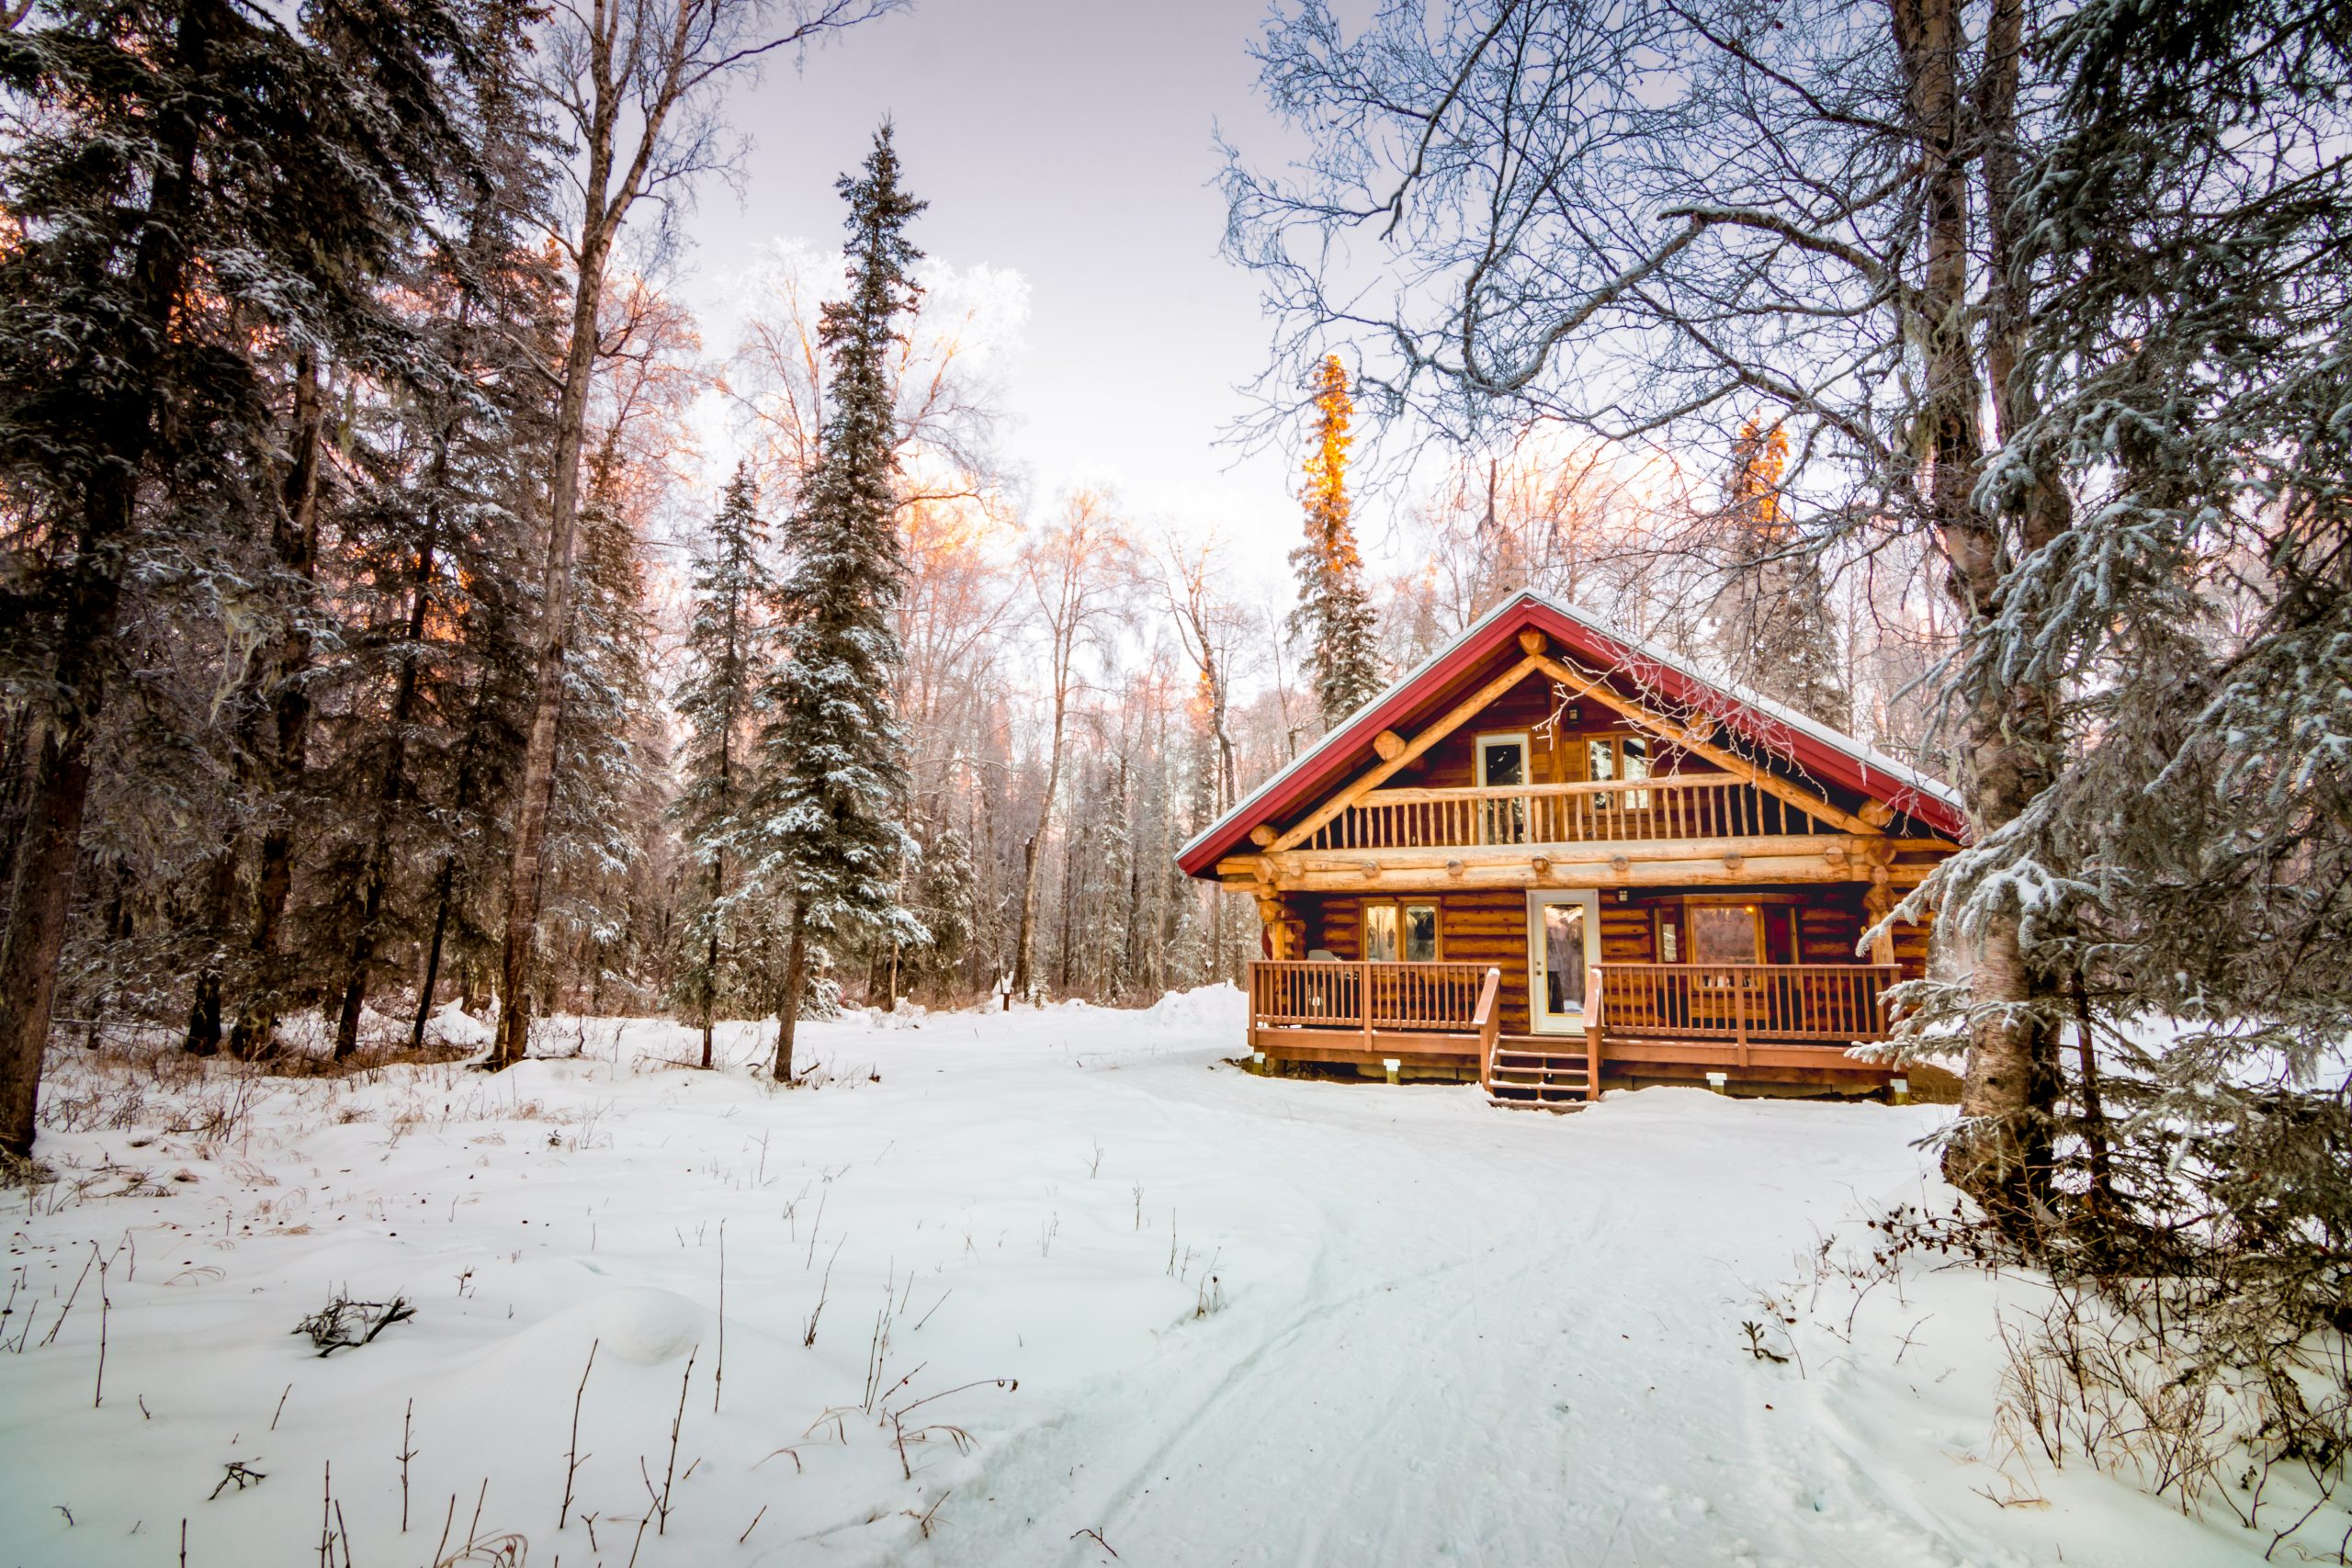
point(408, 602)
point(444, 609)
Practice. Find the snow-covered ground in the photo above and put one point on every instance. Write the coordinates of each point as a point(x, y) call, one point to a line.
point(1251, 1322)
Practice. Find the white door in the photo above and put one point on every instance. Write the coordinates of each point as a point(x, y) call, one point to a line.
point(1563, 944)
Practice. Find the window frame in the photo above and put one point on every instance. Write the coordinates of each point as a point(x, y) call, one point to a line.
point(1437, 929)
point(1766, 906)
point(1755, 945)
point(1614, 740)
point(1526, 744)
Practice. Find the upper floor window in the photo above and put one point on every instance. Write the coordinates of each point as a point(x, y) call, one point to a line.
point(1502, 764)
point(1502, 761)
point(1611, 759)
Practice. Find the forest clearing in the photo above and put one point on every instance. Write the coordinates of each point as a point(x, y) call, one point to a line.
point(1272, 782)
point(1252, 1322)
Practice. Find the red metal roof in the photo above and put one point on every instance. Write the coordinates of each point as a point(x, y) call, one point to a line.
point(1816, 749)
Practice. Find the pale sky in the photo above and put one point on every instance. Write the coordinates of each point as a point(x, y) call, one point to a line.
point(1071, 142)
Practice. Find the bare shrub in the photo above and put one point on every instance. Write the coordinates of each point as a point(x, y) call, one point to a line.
point(2086, 1376)
point(343, 1324)
point(2204, 1359)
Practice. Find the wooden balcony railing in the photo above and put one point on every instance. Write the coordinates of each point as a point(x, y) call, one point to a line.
point(1830, 1003)
point(1740, 1002)
point(1682, 805)
point(1432, 998)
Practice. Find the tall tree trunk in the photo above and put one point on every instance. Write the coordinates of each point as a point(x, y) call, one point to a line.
point(1999, 1152)
point(376, 871)
point(19, 757)
point(1223, 944)
point(461, 799)
point(60, 793)
point(710, 957)
point(203, 1036)
point(795, 973)
point(1070, 905)
point(1024, 954)
point(37, 924)
point(1135, 939)
point(443, 885)
point(295, 539)
point(718, 859)
point(536, 797)
point(1025, 933)
point(356, 967)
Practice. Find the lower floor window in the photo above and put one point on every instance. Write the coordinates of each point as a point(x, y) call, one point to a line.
point(1406, 932)
point(1729, 932)
point(1722, 934)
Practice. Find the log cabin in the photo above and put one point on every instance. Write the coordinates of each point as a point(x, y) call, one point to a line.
point(1554, 857)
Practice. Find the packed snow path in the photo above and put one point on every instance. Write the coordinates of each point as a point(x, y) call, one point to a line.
point(1254, 1322)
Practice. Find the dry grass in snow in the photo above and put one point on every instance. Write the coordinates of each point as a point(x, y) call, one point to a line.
point(1049, 1288)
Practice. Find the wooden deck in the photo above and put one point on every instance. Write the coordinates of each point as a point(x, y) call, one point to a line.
point(1784, 1022)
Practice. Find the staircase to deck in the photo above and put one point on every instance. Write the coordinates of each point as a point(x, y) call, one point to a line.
point(1538, 1075)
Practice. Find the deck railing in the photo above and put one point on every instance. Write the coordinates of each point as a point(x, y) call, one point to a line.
point(1488, 1020)
point(1675, 807)
point(1831, 1002)
point(1320, 994)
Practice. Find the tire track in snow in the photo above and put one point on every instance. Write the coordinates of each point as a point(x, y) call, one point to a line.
point(1481, 1351)
point(1329, 1346)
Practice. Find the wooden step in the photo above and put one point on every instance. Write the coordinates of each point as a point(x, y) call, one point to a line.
point(1560, 1101)
point(1519, 1078)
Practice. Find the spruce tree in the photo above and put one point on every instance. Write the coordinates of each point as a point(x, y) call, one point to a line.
point(830, 803)
point(714, 702)
point(160, 149)
point(947, 902)
point(609, 759)
point(1774, 626)
point(446, 468)
point(1334, 615)
point(2179, 406)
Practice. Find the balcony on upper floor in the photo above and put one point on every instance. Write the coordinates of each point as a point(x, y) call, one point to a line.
point(1670, 808)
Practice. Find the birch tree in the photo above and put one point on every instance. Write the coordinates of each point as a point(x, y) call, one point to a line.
point(1075, 573)
point(635, 85)
point(1212, 628)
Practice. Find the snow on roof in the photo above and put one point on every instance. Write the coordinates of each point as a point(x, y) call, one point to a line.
point(1849, 762)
